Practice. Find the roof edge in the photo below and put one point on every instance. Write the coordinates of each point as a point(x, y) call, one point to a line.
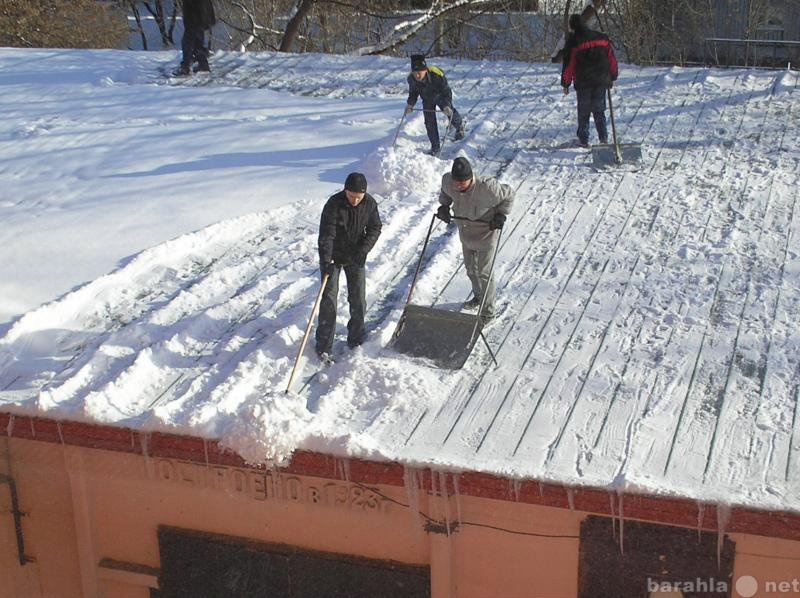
point(682, 512)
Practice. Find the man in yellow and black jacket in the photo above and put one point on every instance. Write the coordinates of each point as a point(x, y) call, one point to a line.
point(429, 83)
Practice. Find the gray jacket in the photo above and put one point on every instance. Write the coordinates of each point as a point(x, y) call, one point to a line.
point(478, 205)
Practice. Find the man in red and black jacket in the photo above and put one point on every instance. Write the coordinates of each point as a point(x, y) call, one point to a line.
point(590, 64)
point(198, 16)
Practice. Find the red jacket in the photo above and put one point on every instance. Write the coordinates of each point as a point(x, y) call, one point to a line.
point(589, 60)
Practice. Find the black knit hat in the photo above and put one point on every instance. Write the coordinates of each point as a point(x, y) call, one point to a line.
point(576, 22)
point(418, 62)
point(356, 182)
point(461, 170)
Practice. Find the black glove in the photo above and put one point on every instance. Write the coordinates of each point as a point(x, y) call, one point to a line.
point(327, 268)
point(443, 214)
point(409, 109)
point(497, 222)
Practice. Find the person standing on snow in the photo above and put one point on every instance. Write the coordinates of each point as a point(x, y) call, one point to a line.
point(590, 15)
point(198, 16)
point(429, 83)
point(590, 64)
point(348, 229)
point(480, 207)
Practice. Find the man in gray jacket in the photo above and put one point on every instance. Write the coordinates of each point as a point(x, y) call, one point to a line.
point(480, 207)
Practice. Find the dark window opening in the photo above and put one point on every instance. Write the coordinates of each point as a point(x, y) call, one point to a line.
point(658, 560)
point(201, 565)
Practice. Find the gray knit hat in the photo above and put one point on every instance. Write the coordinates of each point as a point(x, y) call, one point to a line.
point(461, 171)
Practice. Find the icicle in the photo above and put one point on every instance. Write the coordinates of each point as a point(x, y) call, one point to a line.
point(701, 511)
point(343, 469)
point(446, 498)
point(144, 438)
point(276, 482)
point(410, 480)
point(517, 488)
point(541, 490)
point(571, 499)
point(205, 451)
point(613, 516)
point(60, 432)
point(621, 526)
point(10, 427)
point(456, 478)
point(723, 517)
point(33, 430)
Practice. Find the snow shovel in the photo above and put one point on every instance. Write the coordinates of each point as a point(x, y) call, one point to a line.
point(444, 337)
point(400, 126)
point(308, 330)
point(446, 131)
point(605, 154)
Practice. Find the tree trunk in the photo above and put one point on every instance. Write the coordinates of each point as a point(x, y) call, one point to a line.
point(293, 26)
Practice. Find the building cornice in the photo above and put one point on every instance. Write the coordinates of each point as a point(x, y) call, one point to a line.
point(678, 511)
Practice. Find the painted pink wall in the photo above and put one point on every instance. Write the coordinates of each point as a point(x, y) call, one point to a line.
point(84, 505)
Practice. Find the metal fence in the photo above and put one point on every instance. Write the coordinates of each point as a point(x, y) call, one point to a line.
point(752, 52)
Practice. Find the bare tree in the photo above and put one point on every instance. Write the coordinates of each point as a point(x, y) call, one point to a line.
point(383, 27)
point(301, 10)
point(133, 7)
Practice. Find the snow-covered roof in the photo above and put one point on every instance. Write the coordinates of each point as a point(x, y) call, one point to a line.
point(647, 337)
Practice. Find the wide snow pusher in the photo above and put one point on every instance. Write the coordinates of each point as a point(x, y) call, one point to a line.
point(444, 337)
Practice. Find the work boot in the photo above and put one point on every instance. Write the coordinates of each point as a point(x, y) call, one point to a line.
point(325, 357)
point(181, 71)
point(202, 67)
point(434, 151)
point(473, 303)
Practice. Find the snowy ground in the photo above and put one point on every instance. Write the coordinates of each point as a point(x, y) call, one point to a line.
point(647, 339)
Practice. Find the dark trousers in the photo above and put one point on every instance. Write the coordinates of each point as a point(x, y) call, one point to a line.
point(432, 128)
point(592, 102)
point(193, 46)
point(356, 298)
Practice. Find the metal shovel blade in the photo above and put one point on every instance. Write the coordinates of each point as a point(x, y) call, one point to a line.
point(605, 154)
point(444, 337)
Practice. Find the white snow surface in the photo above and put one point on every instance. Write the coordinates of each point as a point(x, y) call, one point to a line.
point(159, 265)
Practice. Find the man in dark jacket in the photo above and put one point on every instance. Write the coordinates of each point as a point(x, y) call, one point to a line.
point(198, 16)
point(429, 83)
point(349, 227)
point(590, 64)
